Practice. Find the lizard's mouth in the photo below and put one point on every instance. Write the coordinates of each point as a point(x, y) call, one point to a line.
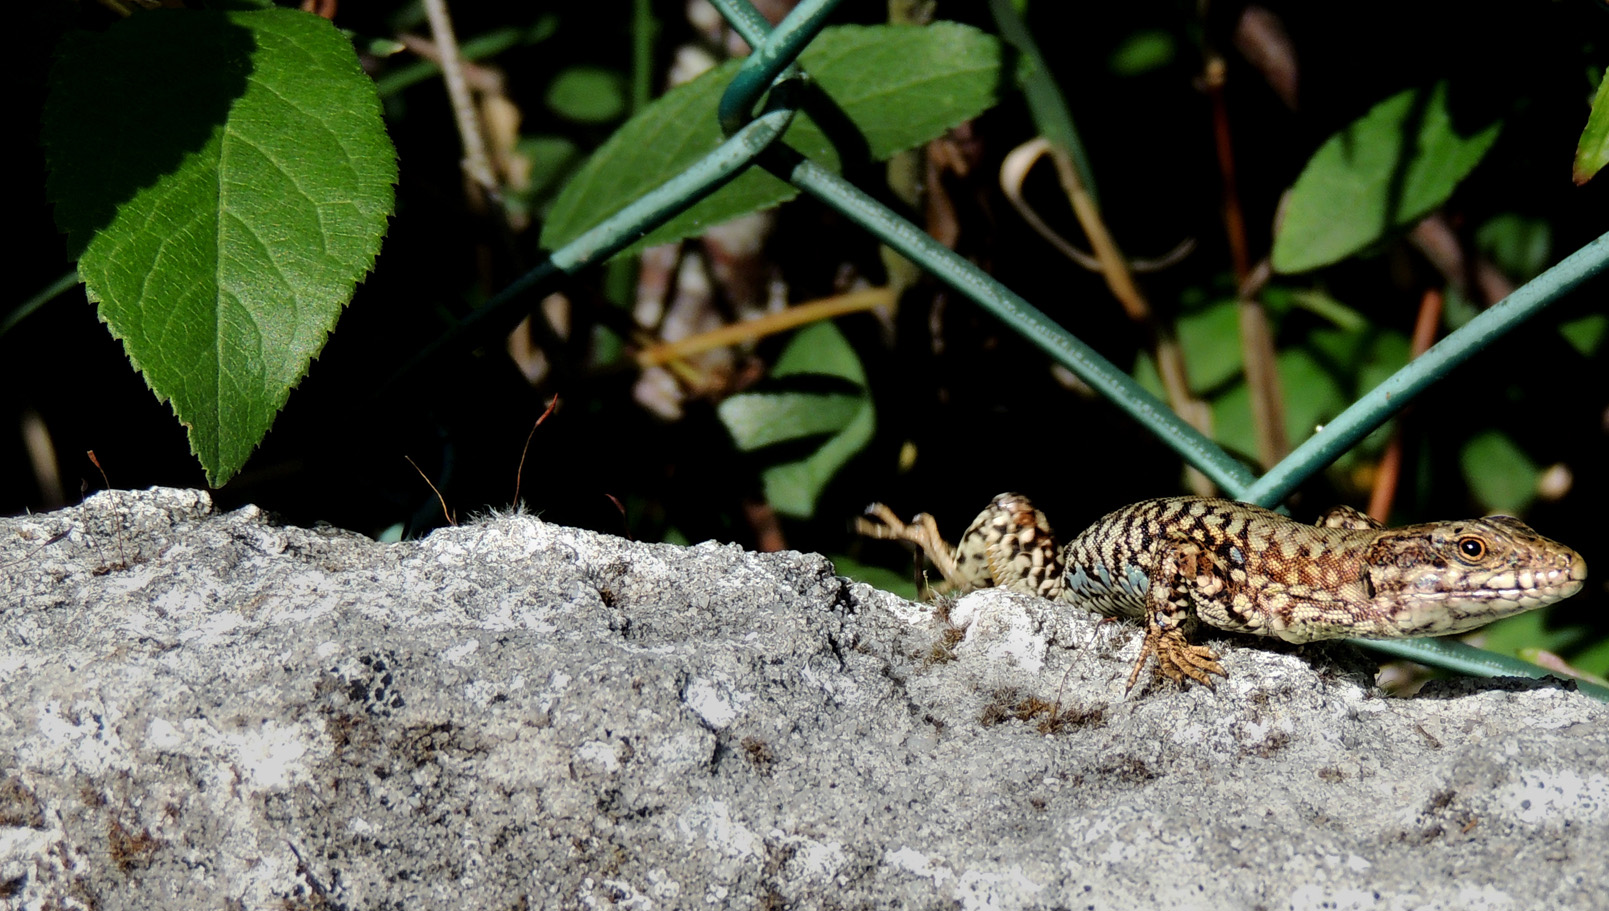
point(1569, 577)
point(1527, 589)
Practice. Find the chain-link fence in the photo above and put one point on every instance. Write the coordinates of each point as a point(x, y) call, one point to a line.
point(753, 142)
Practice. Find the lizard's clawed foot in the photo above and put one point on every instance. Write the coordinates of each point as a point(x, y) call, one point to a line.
point(888, 526)
point(921, 531)
point(1176, 658)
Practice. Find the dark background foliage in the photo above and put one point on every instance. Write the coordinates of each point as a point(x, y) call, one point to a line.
point(978, 405)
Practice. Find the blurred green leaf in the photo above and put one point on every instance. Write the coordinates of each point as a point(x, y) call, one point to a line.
point(587, 94)
point(1520, 246)
point(759, 419)
point(764, 418)
point(1385, 353)
point(1529, 631)
point(876, 576)
point(1145, 374)
point(1342, 350)
point(822, 350)
point(1511, 635)
point(1210, 339)
point(1143, 52)
point(1594, 658)
point(899, 86)
point(792, 488)
point(1312, 396)
point(1323, 305)
point(1499, 473)
point(1586, 333)
point(660, 142)
point(1381, 173)
point(1592, 151)
point(1457, 309)
point(552, 159)
point(372, 45)
point(1360, 360)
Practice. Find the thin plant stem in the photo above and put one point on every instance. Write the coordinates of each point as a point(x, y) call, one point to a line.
point(477, 164)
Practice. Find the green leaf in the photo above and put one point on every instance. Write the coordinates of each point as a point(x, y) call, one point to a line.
point(1593, 657)
point(1525, 631)
point(1145, 373)
point(1358, 360)
point(224, 179)
point(1210, 339)
point(1142, 52)
point(1326, 307)
point(1586, 333)
point(1383, 172)
point(1457, 309)
point(1499, 473)
point(903, 85)
point(663, 140)
point(898, 85)
point(1312, 396)
point(1592, 151)
point(876, 576)
point(792, 488)
point(760, 419)
point(1521, 247)
point(587, 94)
point(823, 351)
point(550, 159)
point(1388, 351)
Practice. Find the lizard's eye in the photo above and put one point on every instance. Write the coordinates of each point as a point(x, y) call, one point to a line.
point(1471, 547)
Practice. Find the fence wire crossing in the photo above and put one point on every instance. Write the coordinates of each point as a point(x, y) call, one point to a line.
point(752, 142)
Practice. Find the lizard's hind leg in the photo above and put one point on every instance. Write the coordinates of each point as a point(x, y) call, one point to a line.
point(1011, 545)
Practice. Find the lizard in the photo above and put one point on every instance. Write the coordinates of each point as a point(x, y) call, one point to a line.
point(1176, 562)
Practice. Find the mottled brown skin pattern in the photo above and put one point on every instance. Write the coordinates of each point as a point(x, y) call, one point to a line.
point(1175, 562)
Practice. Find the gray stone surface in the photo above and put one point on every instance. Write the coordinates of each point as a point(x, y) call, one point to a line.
point(214, 711)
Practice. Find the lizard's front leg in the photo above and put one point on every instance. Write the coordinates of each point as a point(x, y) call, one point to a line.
point(1182, 573)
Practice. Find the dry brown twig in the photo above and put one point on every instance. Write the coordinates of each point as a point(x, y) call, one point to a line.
point(446, 513)
point(520, 471)
point(1119, 276)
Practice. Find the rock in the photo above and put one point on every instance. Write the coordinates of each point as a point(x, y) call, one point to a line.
point(216, 711)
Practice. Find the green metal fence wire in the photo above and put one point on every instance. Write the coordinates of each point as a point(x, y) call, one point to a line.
point(753, 143)
point(773, 55)
point(1390, 396)
point(619, 231)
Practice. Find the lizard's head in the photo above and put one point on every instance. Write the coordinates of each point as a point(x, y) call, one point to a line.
point(1449, 577)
